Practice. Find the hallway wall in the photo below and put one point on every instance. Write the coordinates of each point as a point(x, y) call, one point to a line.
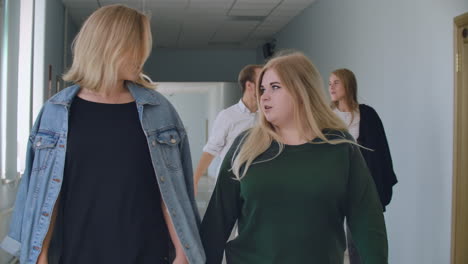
point(402, 54)
point(71, 32)
point(198, 65)
point(48, 48)
point(54, 39)
point(9, 78)
point(8, 102)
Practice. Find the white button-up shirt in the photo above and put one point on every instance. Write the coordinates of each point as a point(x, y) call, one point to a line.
point(353, 127)
point(229, 123)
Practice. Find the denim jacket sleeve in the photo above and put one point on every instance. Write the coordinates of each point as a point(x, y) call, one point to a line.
point(186, 159)
point(12, 242)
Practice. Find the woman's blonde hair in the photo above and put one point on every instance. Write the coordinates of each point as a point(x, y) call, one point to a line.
point(311, 111)
point(348, 79)
point(106, 39)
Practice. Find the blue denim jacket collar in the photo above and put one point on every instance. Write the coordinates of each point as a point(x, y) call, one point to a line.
point(142, 96)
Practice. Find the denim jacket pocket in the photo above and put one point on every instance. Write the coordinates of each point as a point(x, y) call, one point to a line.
point(169, 139)
point(44, 143)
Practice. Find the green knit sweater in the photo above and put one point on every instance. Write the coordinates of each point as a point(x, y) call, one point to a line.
point(291, 209)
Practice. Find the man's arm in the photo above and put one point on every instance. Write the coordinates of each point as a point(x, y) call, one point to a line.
point(213, 147)
point(202, 166)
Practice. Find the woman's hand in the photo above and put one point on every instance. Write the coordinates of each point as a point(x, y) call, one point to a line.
point(180, 259)
point(180, 254)
point(42, 259)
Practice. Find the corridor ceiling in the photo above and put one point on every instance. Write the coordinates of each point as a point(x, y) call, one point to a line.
point(205, 23)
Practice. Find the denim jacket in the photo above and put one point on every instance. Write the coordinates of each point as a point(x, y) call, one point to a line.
point(42, 179)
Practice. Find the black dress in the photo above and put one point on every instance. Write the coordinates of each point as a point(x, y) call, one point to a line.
point(110, 199)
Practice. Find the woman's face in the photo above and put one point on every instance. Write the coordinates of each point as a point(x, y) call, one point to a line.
point(336, 88)
point(276, 102)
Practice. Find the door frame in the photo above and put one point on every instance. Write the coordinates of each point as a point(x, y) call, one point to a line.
point(459, 245)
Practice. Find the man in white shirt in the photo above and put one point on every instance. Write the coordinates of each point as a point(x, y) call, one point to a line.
point(231, 121)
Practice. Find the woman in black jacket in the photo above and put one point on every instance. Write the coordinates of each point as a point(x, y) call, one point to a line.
point(366, 127)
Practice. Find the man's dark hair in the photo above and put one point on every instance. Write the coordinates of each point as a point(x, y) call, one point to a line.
point(247, 74)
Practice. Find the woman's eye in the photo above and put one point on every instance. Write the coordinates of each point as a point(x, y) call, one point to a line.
point(275, 87)
point(262, 90)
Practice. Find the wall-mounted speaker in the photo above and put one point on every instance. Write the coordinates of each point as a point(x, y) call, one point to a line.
point(268, 49)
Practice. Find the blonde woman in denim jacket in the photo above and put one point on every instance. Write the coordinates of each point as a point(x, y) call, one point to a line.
point(108, 176)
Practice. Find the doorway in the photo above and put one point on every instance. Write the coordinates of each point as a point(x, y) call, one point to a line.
point(460, 148)
point(198, 104)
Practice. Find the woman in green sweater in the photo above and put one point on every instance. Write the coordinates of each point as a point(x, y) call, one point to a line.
point(292, 179)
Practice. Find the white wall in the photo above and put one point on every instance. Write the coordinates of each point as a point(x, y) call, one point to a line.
point(70, 33)
point(198, 65)
point(191, 101)
point(402, 54)
point(8, 104)
point(9, 84)
point(198, 105)
point(54, 41)
point(231, 94)
point(48, 48)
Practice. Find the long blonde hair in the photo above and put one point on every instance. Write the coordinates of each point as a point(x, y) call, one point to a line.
point(106, 36)
point(311, 111)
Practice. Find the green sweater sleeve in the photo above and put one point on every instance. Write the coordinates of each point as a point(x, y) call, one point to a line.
point(222, 212)
point(365, 214)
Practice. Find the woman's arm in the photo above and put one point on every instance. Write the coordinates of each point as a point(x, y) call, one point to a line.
point(205, 161)
point(222, 213)
point(180, 257)
point(364, 212)
point(385, 161)
point(12, 242)
point(43, 256)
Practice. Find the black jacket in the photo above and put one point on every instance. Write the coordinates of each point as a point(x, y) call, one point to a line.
point(379, 161)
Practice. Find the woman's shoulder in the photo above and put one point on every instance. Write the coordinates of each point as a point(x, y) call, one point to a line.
point(55, 103)
point(367, 110)
point(147, 95)
point(152, 97)
point(65, 96)
point(336, 134)
point(368, 114)
point(158, 108)
point(241, 137)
